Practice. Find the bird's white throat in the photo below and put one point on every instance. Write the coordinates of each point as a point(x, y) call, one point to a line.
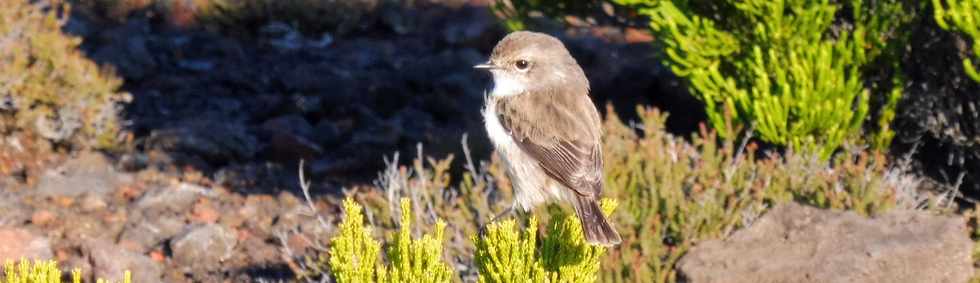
point(505, 85)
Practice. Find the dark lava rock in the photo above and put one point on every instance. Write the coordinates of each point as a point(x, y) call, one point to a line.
point(255, 177)
point(285, 147)
point(127, 50)
point(290, 124)
point(938, 115)
point(305, 104)
point(214, 141)
point(326, 133)
point(471, 26)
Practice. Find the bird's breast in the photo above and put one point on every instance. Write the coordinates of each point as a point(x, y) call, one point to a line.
point(500, 137)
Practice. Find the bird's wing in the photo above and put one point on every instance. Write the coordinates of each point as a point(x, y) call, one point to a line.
point(575, 165)
point(571, 157)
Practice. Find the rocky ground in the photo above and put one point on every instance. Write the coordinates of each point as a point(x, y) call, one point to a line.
point(162, 228)
point(207, 189)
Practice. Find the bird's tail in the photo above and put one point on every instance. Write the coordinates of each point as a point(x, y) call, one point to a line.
point(595, 226)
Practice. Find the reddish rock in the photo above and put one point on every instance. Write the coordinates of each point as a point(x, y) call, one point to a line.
point(634, 35)
point(298, 242)
point(129, 191)
point(42, 217)
point(92, 202)
point(158, 256)
point(204, 212)
point(18, 243)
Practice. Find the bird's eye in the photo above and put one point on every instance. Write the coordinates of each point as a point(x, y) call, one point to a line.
point(522, 64)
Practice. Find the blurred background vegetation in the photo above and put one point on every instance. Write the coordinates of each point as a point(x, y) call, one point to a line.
point(850, 105)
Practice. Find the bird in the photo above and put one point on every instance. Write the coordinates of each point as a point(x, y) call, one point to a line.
point(545, 127)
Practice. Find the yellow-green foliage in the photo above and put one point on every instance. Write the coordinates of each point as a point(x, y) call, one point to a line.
point(417, 260)
point(565, 254)
point(508, 254)
point(34, 272)
point(43, 272)
point(882, 139)
point(776, 65)
point(354, 254)
point(47, 86)
point(962, 16)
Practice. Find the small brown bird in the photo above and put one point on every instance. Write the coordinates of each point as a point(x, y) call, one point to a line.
point(544, 126)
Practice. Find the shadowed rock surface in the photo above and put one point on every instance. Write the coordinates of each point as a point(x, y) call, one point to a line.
point(796, 243)
point(937, 119)
point(226, 105)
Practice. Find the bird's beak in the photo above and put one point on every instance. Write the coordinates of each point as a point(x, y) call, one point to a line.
point(486, 65)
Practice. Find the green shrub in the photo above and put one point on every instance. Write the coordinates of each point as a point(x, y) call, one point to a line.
point(962, 16)
point(354, 254)
point(43, 272)
point(47, 87)
point(507, 254)
point(417, 260)
point(782, 66)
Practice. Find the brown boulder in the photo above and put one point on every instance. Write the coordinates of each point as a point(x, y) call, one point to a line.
point(795, 243)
